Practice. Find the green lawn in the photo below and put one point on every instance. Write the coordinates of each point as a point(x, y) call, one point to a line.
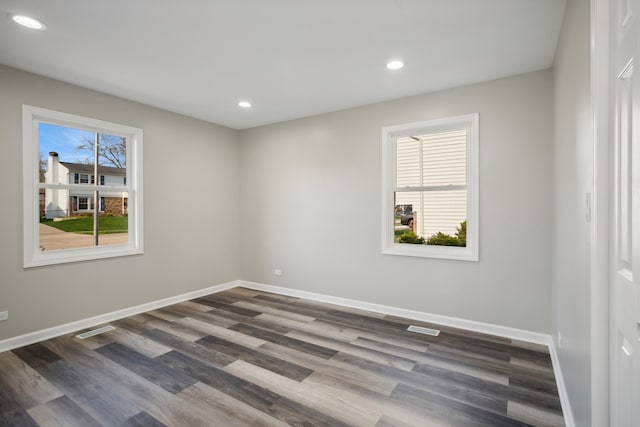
point(84, 225)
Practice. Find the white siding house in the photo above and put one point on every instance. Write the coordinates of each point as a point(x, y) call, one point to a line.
point(431, 163)
point(78, 198)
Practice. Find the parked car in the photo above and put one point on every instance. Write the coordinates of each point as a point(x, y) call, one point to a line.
point(406, 218)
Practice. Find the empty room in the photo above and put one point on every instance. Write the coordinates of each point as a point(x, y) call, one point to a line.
point(319, 213)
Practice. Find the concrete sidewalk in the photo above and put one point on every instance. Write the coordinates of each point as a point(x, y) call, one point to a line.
point(52, 239)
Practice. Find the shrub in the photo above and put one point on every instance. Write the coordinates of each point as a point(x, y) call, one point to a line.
point(462, 233)
point(459, 239)
point(410, 237)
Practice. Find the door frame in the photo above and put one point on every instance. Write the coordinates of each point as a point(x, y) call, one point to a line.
point(601, 112)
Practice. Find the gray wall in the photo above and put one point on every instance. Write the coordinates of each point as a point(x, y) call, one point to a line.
point(303, 196)
point(573, 148)
point(311, 194)
point(191, 211)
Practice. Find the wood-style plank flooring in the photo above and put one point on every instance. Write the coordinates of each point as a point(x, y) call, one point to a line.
point(249, 358)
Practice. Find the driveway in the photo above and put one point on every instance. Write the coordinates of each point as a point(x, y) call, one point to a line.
point(52, 239)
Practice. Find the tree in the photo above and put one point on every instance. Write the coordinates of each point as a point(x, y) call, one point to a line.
point(43, 167)
point(112, 150)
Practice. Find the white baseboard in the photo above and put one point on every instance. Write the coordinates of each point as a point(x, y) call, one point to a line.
point(470, 325)
point(56, 331)
point(569, 421)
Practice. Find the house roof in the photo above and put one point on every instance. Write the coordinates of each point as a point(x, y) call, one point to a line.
point(102, 170)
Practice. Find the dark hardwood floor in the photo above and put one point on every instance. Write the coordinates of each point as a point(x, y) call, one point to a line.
point(249, 358)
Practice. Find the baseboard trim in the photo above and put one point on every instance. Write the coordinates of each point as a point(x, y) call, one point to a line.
point(56, 331)
point(471, 325)
point(569, 421)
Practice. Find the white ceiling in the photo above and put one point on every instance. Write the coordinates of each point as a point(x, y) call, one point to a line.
point(290, 58)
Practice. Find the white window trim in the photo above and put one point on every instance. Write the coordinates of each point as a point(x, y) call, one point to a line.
point(33, 256)
point(88, 204)
point(389, 136)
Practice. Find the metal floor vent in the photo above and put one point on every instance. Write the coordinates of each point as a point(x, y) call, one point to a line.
point(425, 331)
point(95, 332)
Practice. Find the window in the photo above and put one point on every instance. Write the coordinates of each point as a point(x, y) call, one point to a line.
point(62, 156)
point(83, 203)
point(430, 189)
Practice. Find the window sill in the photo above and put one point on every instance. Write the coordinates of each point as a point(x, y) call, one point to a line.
point(83, 254)
point(438, 252)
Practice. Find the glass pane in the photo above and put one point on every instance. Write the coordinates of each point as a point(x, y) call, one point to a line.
point(66, 154)
point(113, 224)
point(66, 157)
point(431, 217)
point(436, 159)
point(112, 160)
point(444, 158)
point(408, 162)
point(75, 230)
point(67, 232)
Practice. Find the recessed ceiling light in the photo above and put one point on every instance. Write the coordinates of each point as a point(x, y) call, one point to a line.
point(395, 65)
point(244, 104)
point(29, 22)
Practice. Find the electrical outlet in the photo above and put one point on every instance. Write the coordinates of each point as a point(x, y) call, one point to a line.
point(4, 315)
point(277, 272)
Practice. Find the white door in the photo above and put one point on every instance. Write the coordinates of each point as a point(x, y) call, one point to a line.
point(625, 250)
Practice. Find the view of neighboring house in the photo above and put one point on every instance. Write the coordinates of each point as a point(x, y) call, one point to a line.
point(79, 198)
point(431, 181)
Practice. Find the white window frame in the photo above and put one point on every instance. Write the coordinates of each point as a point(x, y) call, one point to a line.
point(390, 134)
point(33, 256)
point(88, 208)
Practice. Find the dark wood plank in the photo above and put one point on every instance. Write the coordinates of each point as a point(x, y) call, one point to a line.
point(209, 316)
point(452, 410)
point(500, 391)
point(205, 354)
point(297, 414)
point(466, 388)
point(465, 363)
point(357, 351)
point(238, 388)
point(303, 346)
point(36, 355)
point(103, 404)
point(163, 337)
point(132, 325)
point(150, 369)
point(143, 419)
point(279, 366)
point(63, 411)
point(12, 413)
point(228, 307)
point(17, 418)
